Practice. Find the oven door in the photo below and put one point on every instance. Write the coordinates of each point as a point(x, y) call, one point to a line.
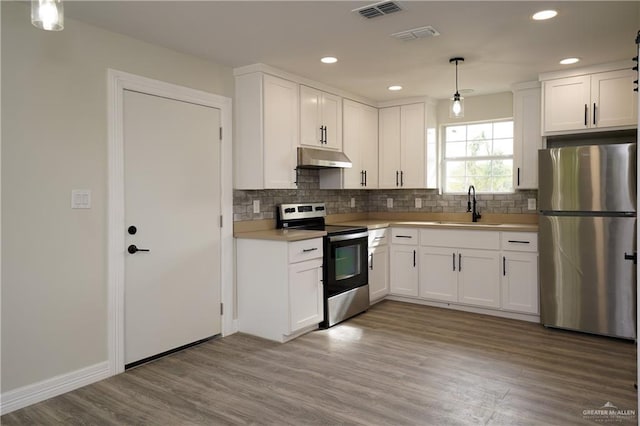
point(345, 263)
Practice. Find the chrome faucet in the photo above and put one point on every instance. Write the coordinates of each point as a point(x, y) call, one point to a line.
point(475, 215)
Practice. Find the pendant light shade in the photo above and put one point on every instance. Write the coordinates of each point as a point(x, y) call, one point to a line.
point(47, 14)
point(456, 109)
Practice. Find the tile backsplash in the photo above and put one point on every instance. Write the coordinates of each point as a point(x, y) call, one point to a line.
point(372, 200)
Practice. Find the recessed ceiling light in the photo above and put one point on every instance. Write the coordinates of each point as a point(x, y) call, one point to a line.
point(543, 15)
point(329, 60)
point(395, 88)
point(569, 61)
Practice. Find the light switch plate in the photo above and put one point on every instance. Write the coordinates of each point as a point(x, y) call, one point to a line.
point(531, 203)
point(418, 203)
point(353, 202)
point(256, 206)
point(80, 199)
point(389, 203)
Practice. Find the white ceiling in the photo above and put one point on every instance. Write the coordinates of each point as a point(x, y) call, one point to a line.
point(500, 43)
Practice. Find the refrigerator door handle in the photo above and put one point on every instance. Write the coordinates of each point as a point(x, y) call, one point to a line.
point(633, 257)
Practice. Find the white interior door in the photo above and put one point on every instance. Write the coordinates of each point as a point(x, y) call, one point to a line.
point(172, 197)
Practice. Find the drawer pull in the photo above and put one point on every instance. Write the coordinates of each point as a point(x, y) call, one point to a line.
point(379, 238)
point(308, 250)
point(404, 236)
point(519, 242)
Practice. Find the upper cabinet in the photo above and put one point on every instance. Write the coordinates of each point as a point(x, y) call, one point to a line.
point(266, 132)
point(588, 101)
point(320, 119)
point(360, 145)
point(402, 154)
point(527, 137)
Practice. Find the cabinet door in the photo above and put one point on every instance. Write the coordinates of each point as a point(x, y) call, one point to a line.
point(478, 279)
point(520, 282)
point(369, 145)
point(331, 119)
point(352, 139)
point(404, 264)
point(310, 132)
point(613, 101)
point(389, 147)
point(527, 138)
point(305, 294)
point(378, 272)
point(566, 103)
point(280, 133)
point(412, 146)
point(439, 273)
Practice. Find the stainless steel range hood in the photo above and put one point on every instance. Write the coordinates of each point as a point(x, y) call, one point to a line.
point(310, 158)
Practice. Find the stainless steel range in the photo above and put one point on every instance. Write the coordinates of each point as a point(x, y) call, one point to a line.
point(344, 270)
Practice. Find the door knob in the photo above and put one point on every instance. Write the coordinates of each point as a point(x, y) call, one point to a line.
point(133, 249)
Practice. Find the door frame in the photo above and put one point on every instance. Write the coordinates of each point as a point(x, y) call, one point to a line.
point(117, 83)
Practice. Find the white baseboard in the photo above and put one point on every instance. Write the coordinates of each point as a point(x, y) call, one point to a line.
point(486, 311)
point(30, 394)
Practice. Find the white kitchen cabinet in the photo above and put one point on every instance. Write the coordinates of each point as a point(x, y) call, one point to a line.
point(478, 279)
point(527, 134)
point(519, 272)
point(378, 272)
point(520, 282)
point(439, 277)
point(402, 156)
point(305, 294)
point(320, 119)
point(404, 264)
point(460, 266)
point(599, 100)
point(360, 145)
point(266, 132)
point(360, 142)
point(378, 263)
point(279, 287)
point(460, 275)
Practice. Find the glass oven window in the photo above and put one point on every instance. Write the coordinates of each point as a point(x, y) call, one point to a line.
point(347, 262)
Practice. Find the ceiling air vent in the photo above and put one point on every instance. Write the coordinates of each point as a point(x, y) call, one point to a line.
point(422, 32)
point(378, 9)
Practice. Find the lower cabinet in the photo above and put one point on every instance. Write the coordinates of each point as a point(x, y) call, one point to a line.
point(305, 294)
point(279, 287)
point(439, 279)
point(465, 276)
point(478, 280)
point(485, 269)
point(378, 272)
point(404, 267)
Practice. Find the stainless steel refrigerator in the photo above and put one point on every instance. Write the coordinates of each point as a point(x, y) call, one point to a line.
point(587, 235)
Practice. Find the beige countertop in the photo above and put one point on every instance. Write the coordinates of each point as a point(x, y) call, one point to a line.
point(376, 224)
point(280, 234)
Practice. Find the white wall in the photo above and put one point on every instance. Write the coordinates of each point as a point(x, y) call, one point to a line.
point(479, 108)
point(54, 139)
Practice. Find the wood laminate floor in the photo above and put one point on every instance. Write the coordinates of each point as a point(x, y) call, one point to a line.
point(397, 364)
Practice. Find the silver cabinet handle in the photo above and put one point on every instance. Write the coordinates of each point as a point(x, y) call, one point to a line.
point(308, 250)
point(371, 265)
point(379, 238)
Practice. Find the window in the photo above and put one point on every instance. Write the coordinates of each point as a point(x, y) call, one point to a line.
point(478, 154)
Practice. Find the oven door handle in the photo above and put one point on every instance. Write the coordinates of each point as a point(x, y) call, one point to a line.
point(345, 237)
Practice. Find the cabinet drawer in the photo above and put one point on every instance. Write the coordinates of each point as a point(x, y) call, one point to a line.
point(468, 239)
point(406, 236)
point(378, 237)
point(305, 250)
point(520, 241)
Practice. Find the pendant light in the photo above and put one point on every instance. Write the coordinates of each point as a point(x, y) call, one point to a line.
point(457, 102)
point(47, 14)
